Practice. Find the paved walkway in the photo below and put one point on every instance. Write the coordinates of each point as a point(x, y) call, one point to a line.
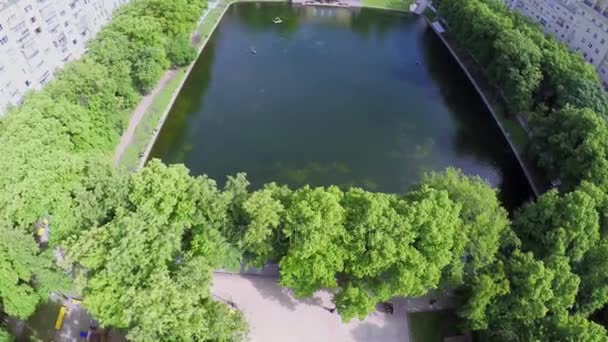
point(139, 113)
point(275, 315)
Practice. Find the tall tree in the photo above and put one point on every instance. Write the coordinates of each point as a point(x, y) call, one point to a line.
point(314, 226)
point(565, 225)
point(569, 142)
point(138, 275)
point(27, 276)
point(485, 221)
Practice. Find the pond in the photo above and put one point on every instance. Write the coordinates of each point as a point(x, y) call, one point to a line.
point(351, 97)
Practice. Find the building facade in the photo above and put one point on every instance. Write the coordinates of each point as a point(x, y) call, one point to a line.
point(37, 37)
point(581, 24)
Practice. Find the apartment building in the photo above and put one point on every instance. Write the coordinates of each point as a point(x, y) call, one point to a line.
point(581, 24)
point(37, 37)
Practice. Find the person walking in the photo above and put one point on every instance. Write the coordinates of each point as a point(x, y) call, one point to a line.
point(331, 310)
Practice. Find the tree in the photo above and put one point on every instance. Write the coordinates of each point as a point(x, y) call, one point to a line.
point(483, 290)
point(264, 214)
point(5, 336)
point(314, 226)
point(157, 289)
point(396, 247)
point(174, 16)
point(585, 93)
point(571, 329)
point(593, 292)
point(144, 49)
point(179, 50)
point(510, 297)
point(516, 68)
point(88, 84)
point(26, 276)
point(565, 225)
point(568, 142)
point(565, 284)
point(354, 302)
point(485, 221)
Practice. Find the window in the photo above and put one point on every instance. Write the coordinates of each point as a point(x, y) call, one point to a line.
point(583, 40)
point(3, 40)
point(602, 41)
point(66, 24)
point(595, 35)
point(585, 55)
point(590, 45)
point(593, 20)
point(590, 60)
point(0, 27)
point(603, 71)
point(27, 83)
point(28, 8)
point(38, 30)
point(33, 19)
point(597, 51)
point(588, 30)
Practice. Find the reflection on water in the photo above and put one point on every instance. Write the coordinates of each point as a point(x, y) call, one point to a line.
point(352, 97)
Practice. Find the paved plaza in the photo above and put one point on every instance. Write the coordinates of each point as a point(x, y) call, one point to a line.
point(275, 315)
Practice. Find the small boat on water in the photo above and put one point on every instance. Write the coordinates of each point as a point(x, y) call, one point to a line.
point(277, 20)
point(253, 50)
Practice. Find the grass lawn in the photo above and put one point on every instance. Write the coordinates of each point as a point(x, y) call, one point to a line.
point(433, 326)
point(388, 4)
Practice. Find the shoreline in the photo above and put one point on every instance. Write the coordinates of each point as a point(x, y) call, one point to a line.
point(506, 135)
point(188, 69)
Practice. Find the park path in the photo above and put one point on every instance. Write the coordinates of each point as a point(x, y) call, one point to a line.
point(275, 315)
point(139, 113)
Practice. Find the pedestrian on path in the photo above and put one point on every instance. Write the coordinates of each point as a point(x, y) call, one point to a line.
point(331, 310)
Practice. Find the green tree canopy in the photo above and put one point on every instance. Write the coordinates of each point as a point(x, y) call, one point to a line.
point(138, 275)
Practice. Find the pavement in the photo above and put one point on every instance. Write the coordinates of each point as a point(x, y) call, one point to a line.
point(138, 114)
point(274, 314)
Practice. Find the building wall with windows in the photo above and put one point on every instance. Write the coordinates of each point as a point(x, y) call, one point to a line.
point(581, 24)
point(37, 37)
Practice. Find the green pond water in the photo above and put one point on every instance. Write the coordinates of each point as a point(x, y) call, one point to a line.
point(351, 97)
